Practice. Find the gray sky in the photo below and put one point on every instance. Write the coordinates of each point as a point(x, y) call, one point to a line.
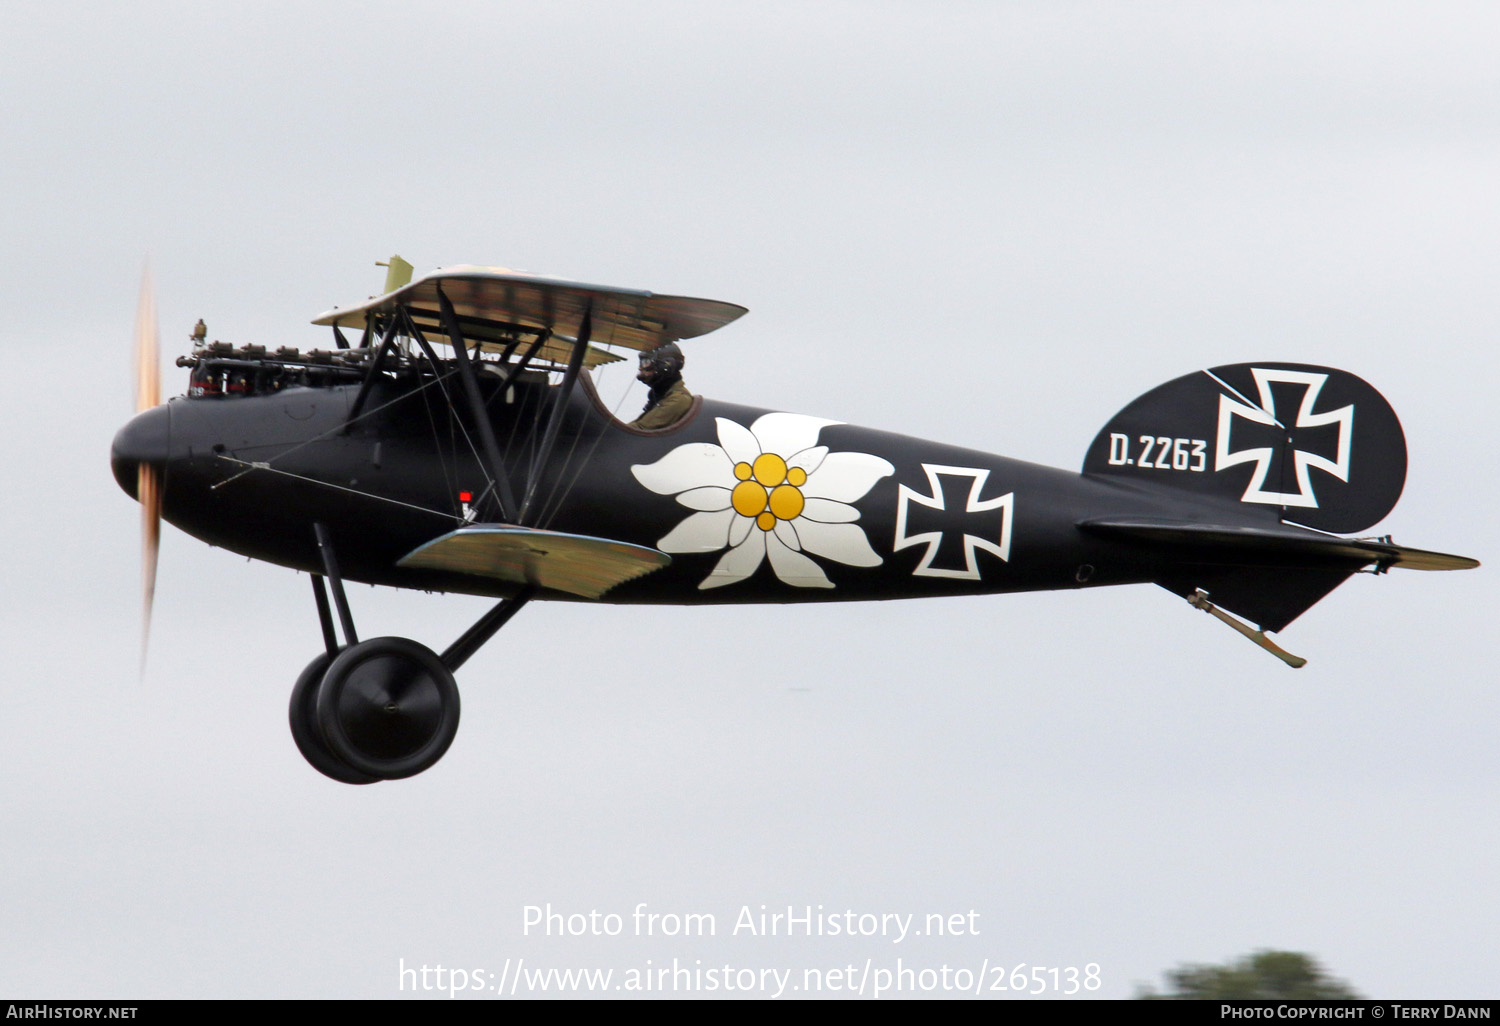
point(992, 224)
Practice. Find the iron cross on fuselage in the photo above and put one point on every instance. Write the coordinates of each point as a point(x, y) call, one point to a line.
point(961, 524)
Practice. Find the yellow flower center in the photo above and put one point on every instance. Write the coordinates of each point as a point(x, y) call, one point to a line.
point(786, 502)
point(768, 491)
point(770, 469)
point(748, 498)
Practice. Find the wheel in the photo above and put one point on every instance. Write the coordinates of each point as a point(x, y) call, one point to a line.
point(388, 707)
point(303, 715)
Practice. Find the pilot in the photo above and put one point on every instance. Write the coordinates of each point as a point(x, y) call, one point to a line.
point(669, 401)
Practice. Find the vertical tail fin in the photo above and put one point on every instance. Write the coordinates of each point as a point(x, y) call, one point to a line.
point(1311, 445)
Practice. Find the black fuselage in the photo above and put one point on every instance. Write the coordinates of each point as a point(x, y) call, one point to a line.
point(253, 474)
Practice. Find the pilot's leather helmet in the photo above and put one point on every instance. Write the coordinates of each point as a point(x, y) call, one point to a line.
point(662, 364)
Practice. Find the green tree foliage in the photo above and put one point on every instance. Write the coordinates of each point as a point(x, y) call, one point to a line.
point(1264, 975)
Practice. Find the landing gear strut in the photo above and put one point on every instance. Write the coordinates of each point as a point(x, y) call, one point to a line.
point(385, 708)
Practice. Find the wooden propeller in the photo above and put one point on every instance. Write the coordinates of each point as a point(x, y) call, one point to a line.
point(148, 479)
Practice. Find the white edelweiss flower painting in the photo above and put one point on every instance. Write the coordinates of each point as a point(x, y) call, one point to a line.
point(769, 492)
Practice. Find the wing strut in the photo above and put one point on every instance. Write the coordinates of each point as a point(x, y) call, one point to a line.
point(386, 342)
point(560, 403)
point(513, 370)
point(506, 500)
point(503, 496)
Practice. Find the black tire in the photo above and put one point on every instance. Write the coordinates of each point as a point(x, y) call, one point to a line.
point(388, 707)
point(303, 716)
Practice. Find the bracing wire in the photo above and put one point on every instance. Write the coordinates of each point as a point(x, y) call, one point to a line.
point(251, 466)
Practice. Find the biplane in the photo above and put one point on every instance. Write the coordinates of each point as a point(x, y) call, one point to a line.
point(452, 440)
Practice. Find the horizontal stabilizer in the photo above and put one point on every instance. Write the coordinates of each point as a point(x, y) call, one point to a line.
point(573, 563)
point(1271, 572)
point(1421, 559)
point(1273, 544)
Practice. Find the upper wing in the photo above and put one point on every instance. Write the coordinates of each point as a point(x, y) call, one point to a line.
point(496, 305)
